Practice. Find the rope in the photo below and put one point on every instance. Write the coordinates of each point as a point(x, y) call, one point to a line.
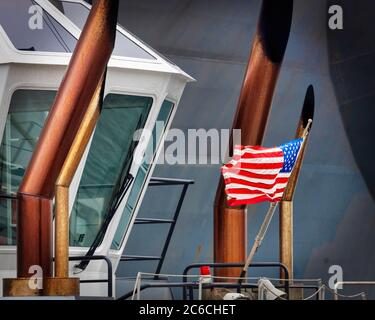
point(320, 289)
point(219, 277)
point(315, 293)
point(363, 294)
point(295, 280)
point(192, 276)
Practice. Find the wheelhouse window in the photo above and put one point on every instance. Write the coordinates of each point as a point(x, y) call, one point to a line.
point(30, 28)
point(143, 172)
point(107, 165)
point(78, 14)
point(26, 117)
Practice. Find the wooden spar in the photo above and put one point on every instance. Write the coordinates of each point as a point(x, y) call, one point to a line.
point(85, 71)
point(286, 205)
point(267, 220)
point(65, 179)
point(253, 108)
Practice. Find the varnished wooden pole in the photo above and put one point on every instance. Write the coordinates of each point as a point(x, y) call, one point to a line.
point(65, 179)
point(62, 284)
point(286, 235)
point(286, 205)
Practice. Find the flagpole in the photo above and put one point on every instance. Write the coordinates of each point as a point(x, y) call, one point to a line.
point(286, 204)
point(267, 220)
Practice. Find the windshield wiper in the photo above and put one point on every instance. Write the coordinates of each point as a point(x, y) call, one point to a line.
point(122, 186)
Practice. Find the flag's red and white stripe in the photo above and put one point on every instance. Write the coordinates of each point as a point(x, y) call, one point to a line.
point(253, 175)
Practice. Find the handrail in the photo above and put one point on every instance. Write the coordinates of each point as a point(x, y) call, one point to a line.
point(169, 181)
point(109, 279)
point(231, 265)
point(206, 286)
point(188, 284)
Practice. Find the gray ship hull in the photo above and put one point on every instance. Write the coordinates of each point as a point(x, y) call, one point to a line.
point(334, 206)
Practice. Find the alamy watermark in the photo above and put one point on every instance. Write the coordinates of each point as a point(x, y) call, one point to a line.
point(337, 276)
point(194, 146)
point(36, 17)
point(36, 280)
point(336, 19)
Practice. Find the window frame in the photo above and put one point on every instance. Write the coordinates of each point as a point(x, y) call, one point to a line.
point(126, 233)
point(58, 20)
point(154, 97)
point(158, 59)
point(142, 93)
point(126, 34)
point(7, 101)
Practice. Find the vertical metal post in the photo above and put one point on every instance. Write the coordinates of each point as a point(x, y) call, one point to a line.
point(251, 118)
point(171, 229)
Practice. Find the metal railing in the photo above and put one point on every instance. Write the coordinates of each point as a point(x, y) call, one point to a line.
point(190, 286)
point(186, 285)
point(195, 285)
point(156, 181)
point(109, 279)
point(238, 286)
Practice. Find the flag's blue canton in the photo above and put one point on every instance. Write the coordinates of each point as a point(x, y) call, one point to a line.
point(290, 151)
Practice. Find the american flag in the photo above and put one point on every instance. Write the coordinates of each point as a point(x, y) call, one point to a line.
point(258, 174)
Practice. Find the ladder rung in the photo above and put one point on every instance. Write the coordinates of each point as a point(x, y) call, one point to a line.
point(139, 258)
point(152, 220)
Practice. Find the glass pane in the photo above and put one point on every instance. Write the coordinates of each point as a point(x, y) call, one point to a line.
point(78, 14)
point(27, 113)
point(107, 159)
point(157, 132)
point(30, 30)
point(8, 214)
